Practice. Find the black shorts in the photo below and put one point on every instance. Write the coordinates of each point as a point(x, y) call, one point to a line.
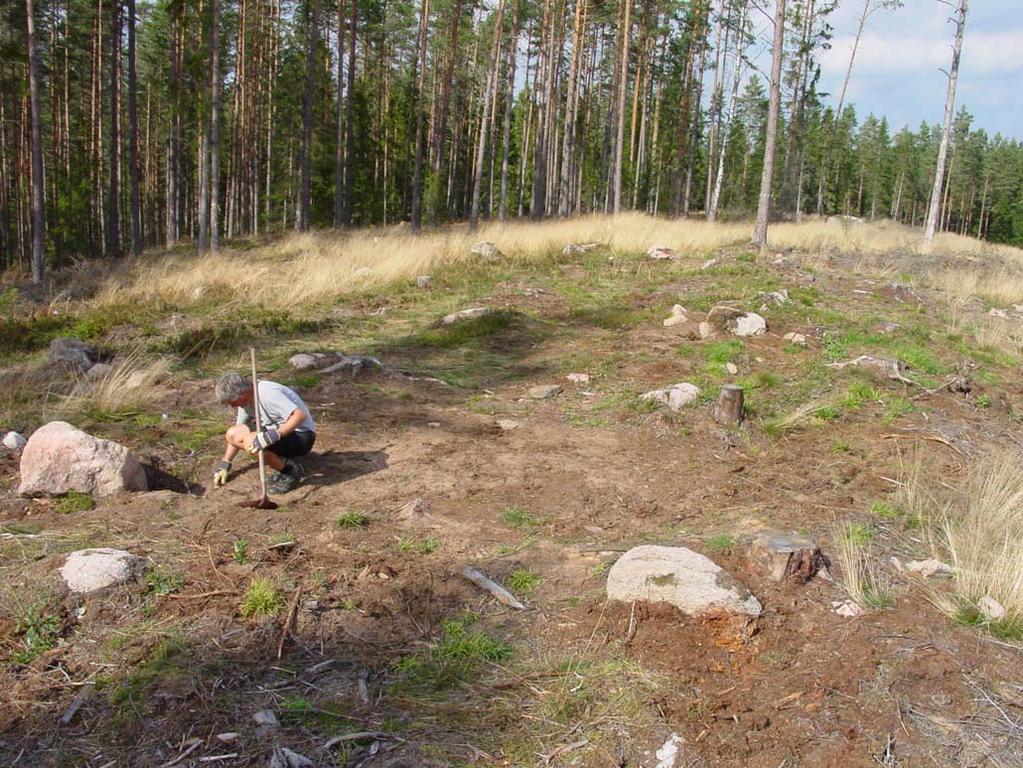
point(294, 445)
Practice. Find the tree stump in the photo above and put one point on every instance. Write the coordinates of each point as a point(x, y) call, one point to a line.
point(788, 557)
point(729, 407)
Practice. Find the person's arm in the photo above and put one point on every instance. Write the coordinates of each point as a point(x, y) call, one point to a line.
point(265, 439)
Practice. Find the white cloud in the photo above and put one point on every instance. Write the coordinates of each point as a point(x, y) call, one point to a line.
point(983, 53)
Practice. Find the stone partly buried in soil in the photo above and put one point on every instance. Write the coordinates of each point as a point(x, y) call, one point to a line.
point(544, 391)
point(676, 397)
point(691, 582)
point(90, 570)
point(471, 313)
point(59, 458)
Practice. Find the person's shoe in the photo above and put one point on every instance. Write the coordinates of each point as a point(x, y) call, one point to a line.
point(285, 480)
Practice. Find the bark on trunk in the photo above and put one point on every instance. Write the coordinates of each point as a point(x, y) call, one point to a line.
point(37, 148)
point(764, 203)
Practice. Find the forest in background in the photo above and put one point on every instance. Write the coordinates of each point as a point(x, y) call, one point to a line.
point(362, 112)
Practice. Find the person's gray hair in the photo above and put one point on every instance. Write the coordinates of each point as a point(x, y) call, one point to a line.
point(230, 387)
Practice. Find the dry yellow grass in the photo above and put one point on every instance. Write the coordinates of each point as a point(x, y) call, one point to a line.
point(982, 531)
point(131, 383)
point(307, 269)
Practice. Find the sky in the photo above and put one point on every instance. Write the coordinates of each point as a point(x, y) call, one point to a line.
point(897, 73)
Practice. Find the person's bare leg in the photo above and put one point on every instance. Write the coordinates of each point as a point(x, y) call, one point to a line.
point(240, 437)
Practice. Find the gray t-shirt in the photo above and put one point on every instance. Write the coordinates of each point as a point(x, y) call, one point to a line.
point(276, 403)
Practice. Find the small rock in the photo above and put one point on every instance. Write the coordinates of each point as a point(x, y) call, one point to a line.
point(786, 556)
point(59, 458)
point(1017, 309)
point(890, 327)
point(732, 368)
point(777, 298)
point(433, 424)
point(98, 371)
point(706, 330)
point(795, 338)
point(574, 249)
point(662, 253)
point(353, 364)
point(228, 737)
point(709, 263)
point(287, 758)
point(544, 391)
point(928, 568)
point(998, 313)
point(667, 754)
point(676, 397)
point(848, 608)
point(678, 576)
point(578, 378)
point(307, 361)
point(678, 316)
point(485, 250)
point(991, 608)
point(311, 605)
point(265, 718)
point(749, 324)
point(90, 570)
point(424, 281)
point(14, 441)
point(72, 353)
point(507, 425)
point(466, 314)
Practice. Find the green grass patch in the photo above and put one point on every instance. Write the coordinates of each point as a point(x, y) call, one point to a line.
point(261, 599)
point(857, 534)
point(240, 551)
point(1010, 628)
point(351, 520)
point(720, 541)
point(887, 511)
point(455, 658)
point(75, 501)
point(417, 546)
point(895, 407)
point(522, 581)
point(461, 333)
point(722, 352)
point(518, 517)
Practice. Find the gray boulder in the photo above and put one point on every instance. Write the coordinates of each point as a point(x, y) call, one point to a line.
point(486, 251)
point(73, 353)
point(59, 458)
point(676, 397)
point(90, 570)
point(308, 361)
point(694, 584)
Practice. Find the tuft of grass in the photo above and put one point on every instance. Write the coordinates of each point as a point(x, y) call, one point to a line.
point(261, 599)
point(887, 511)
point(517, 517)
point(75, 501)
point(240, 551)
point(351, 520)
point(130, 386)
point(862, 577)
point(523, 581)
point(417, 546)
point(979, 530)
point(721, 352)
point(456, 657)
point(720, 541)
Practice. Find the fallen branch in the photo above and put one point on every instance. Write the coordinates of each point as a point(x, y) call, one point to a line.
point(564, 749)
point(194, 744)
point(501, 594)
point(931, 438)
point(289, 621)
point(76, 704)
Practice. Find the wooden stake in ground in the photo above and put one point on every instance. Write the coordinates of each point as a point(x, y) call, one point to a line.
point(729, 407)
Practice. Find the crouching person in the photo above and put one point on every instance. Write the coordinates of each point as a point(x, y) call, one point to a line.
point(288, 430)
